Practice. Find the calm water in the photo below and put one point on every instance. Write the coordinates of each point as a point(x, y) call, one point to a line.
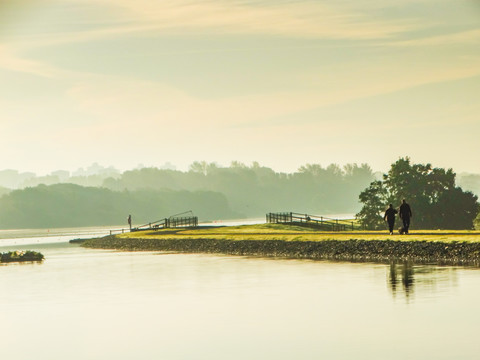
point(98, 304)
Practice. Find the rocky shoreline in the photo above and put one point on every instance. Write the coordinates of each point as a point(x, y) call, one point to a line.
point(453, 253)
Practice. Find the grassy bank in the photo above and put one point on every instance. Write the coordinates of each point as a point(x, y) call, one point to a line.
point(299, 233)
point(272, 240)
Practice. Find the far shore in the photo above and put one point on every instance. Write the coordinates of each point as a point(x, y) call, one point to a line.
point(293, 242)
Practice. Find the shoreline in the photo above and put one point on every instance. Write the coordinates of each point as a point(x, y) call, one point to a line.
point(353, 250)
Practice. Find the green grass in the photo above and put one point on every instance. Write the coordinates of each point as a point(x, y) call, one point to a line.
point(298, 233)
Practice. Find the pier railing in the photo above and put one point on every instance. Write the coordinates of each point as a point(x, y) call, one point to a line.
point(188, 221)
point(171, 222)
point(118, 231)
point(314, 221)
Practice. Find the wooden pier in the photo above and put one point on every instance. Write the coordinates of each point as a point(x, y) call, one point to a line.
point(313, 221)
point(171, 222)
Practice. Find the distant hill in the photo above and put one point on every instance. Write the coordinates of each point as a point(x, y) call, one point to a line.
point(4, 190)
point(69, 205)
point(255, 190)
point(250, 190)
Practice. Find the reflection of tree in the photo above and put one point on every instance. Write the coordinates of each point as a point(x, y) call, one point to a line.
point(405, 277)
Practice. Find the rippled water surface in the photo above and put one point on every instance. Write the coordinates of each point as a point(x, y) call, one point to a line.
point(98, 304)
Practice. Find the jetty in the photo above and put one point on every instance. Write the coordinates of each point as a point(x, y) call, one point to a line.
point(313, 221)
point(173, 221)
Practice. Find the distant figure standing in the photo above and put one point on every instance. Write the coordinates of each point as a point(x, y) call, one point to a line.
point(129, 219)
point(390, 218)
point(405, 215)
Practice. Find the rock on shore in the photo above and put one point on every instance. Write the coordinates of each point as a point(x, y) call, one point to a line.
point(21, 256)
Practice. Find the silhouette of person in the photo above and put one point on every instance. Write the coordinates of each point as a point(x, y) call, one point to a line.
point(390, 218)
point(129, 219)
point(405, 215)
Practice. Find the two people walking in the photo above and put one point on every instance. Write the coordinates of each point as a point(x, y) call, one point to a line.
point(405, 213)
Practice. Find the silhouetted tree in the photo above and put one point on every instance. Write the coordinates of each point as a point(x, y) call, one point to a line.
point(374, 199)
point(431, 192)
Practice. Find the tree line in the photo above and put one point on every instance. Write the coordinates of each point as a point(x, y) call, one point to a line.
point(254, 190)
point(211, 191)
point(70, 205)
point(240, 191)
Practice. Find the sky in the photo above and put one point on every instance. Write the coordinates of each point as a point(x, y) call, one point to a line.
point(280, 82)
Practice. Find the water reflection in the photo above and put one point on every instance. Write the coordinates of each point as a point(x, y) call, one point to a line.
point(120, 305)
point(405, 277)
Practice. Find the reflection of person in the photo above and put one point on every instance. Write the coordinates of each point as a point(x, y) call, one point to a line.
point(129, 219)
point(390, 218)
point(405, 215)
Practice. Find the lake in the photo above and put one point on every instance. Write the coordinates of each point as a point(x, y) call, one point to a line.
point(100, 304)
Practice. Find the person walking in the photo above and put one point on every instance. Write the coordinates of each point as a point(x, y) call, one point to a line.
point(405, 215)
point(129, 220)
point(390, 218)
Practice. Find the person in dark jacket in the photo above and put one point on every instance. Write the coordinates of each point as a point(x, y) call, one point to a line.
point(390, 218)
point(405, 215)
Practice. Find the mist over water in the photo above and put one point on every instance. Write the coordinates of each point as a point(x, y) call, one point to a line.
point(99, 304)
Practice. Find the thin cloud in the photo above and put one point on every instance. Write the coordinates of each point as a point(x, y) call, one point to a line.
point(305, 19)
point(469, 37)
point(147, 18)
point(10, 60)
point(299, 19)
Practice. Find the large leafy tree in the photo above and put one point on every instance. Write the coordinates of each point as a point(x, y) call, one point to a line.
point(431, 192)
point(373, 199)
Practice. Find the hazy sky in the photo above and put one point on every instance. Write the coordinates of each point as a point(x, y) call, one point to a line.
point(123, 82)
